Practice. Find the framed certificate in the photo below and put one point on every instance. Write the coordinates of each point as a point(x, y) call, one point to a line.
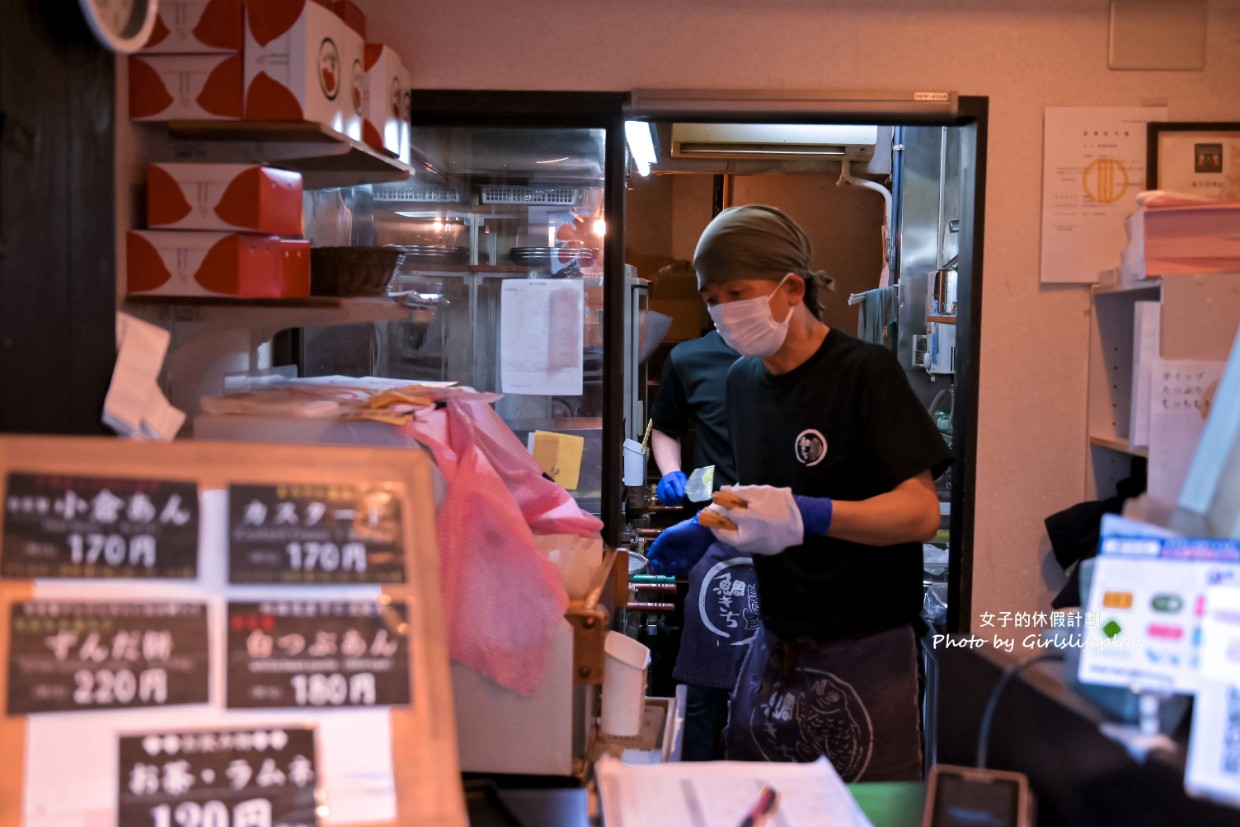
point(1200, 159)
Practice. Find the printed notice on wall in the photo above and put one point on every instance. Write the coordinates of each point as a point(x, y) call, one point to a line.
point(260, 776)
point(1093, 166)
point(99, 527)
point(541, 337)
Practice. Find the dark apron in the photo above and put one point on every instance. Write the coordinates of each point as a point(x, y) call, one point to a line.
point(720, 618)
point(854, 701)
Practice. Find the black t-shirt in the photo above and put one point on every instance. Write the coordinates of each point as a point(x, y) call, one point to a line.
point(845, 425)
point(692, 391)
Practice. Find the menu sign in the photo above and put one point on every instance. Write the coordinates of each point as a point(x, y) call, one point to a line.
point(253, 777)
point(71, 526)
point(343, 533)
point(68, 657)
point(337, 653)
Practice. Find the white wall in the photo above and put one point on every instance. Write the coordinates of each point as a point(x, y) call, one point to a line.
point(1024, 55)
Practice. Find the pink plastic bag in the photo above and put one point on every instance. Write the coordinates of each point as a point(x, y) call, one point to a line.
point(504, 599)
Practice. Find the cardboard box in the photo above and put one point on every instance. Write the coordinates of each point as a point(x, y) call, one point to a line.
point(248, 197)
point(302, 63)
point(185, 87)
point(196, 27)
point(385, 104)
point(176, 263)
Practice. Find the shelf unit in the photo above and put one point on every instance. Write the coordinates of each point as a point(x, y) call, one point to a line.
point(214, 337)
point(1198, 318)
point(325, 158)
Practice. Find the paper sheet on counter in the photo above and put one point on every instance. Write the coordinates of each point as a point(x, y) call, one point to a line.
point(541, 337)
point(135, 406)
point(1093, 166)
point(720, 793)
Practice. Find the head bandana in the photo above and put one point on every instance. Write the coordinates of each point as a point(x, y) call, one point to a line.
point(752, 242)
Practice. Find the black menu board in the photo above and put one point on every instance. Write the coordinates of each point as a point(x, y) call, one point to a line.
point(78, 656)
point(253, 777)
point(339, 533)
point(318, 654)
point(77, 526)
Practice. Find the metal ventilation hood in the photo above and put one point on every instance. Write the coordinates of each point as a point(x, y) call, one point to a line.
point(790, 142)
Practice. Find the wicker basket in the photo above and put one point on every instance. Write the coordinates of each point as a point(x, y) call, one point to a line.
point(352, 271)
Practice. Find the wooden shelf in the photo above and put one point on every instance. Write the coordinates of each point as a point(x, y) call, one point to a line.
point(1119, 445)
point(941, 319)
point(195, 315)
point(324, 157)
point(1151, 284)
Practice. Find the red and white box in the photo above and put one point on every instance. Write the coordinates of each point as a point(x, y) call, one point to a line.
point(240, 265)
point(196, 27)
point(355, 61)
point(299, 65)
point(247, 197)
point(385, 121)
point(185, 87)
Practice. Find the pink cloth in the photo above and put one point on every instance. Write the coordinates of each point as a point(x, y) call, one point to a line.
point(503, 598)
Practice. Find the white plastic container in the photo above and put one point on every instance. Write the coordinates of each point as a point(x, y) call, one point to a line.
point(624, 684)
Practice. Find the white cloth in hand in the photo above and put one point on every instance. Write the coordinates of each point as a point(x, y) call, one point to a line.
point(769, 523)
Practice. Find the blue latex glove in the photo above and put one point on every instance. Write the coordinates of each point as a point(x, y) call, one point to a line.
point(815, 514)
point(679, 547)
point(671, 489)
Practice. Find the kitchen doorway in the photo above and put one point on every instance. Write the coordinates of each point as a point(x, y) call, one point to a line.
point(929, 154)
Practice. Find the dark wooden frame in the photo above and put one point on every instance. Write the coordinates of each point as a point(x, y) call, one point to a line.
point(1155, 130)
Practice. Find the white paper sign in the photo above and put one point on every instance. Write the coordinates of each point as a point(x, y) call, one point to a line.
point(1093, 166)
point(541, 336)
point(1180, 396)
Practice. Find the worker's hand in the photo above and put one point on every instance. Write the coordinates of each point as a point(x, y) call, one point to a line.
point(671, 489)
point(767, 520)
point(679, 547)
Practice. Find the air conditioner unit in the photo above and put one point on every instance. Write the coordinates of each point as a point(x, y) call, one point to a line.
point(792, 142)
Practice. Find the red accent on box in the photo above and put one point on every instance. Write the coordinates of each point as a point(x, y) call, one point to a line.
point(146, 266)
point(158, 34)
point(220, 25)
point(272, 18)
point(268, 200)
point(352, 16)
point(147, 94)
point(165, 201)
point(267, 100)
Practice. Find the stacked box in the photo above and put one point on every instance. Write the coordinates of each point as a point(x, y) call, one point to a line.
point(220, 230)
point(190, 68)
point(385, 108)
point(196, 27)
point(239, 197)
point(203, 263)
point(300, 63)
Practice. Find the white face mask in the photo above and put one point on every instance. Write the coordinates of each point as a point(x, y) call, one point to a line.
point(749, 327)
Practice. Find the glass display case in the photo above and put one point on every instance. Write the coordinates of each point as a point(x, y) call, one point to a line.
point(507, 247)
